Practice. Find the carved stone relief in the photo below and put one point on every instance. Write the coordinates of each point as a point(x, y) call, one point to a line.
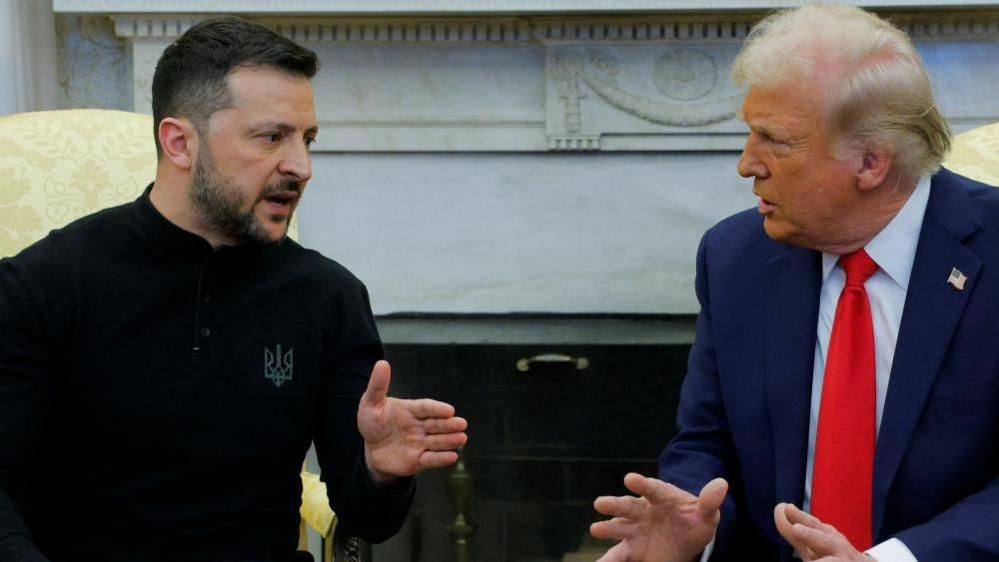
point(145, 55)
point(94, 70)
point(671, 90)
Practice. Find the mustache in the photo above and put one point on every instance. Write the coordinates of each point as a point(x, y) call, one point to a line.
point(282, 187)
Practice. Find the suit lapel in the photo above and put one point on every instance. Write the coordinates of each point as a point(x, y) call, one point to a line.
point(792, 308)
point(931, 313)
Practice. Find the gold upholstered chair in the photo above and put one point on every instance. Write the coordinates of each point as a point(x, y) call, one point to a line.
point(57, 166)
point(975, 154)
point(316, 513)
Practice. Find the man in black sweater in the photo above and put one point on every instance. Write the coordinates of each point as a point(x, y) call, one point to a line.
point(165, 365)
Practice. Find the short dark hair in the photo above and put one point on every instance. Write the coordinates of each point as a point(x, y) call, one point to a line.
point(192, 76)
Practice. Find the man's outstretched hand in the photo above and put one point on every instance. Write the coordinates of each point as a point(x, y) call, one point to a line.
point(813, 539)
point(403, 437)
point(663, 524)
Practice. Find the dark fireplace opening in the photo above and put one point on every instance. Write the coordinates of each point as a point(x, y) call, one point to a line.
point(545, 439)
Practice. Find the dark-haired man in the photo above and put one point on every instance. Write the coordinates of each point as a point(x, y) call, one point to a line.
point(164, 365)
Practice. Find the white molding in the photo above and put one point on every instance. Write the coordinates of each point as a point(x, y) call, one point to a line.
point(436, 122)
point(345, 7)
point(732, 28)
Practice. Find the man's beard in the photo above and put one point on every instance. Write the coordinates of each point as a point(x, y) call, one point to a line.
point(220, 203)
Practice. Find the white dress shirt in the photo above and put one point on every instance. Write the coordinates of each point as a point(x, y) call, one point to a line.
point(893, 249)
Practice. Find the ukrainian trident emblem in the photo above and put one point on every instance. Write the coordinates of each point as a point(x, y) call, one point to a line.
point(278, 367)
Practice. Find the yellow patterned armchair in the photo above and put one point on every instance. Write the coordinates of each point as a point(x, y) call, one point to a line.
point(57, 166)
point(975, 154)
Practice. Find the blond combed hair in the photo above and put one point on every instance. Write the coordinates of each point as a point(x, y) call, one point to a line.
point(877, 92)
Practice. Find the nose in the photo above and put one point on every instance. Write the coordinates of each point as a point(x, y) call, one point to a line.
point(749, 165)
point(297, 162)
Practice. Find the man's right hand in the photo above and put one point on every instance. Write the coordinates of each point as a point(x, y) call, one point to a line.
point(663, 524)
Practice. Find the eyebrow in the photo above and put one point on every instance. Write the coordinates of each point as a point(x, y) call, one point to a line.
point(286, 128)
point(776, 133)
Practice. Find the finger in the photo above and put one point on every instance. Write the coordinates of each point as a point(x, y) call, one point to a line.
point(655, 490)
point(786, 530)
point(448, 425)
point(712, 495)
point(820, 542)
point(378, 383)
point(620, 506)
point(614, 529)
point(795, 515)
point(781, 522)
point(618, 553)
point(446, 442)
point(426, 408)
point(437, 459)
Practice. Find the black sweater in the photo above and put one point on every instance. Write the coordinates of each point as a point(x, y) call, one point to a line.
point(157, 397)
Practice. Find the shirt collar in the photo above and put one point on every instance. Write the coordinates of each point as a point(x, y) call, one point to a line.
point(894, 248)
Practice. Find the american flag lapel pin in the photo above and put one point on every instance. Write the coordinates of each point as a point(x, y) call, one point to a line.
point(957, 279)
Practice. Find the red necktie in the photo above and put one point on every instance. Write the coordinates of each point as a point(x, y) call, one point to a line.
point(844, 446)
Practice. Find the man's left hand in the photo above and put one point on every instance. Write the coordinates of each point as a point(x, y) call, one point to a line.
point(813, 539)
point(403, 437)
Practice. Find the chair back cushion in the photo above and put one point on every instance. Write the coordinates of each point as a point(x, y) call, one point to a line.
point(975, 154)
point(57, 166)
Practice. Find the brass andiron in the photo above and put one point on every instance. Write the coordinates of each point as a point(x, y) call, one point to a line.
point(460, 486)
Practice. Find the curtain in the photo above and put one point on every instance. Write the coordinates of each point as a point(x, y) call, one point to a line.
point(27, 56)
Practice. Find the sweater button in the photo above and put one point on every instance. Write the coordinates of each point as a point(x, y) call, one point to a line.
point(206, 332)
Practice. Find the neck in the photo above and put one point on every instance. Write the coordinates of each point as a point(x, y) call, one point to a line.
point(171, 197)
point(873, 213)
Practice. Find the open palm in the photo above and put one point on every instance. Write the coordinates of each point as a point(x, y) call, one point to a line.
point(404, 437)
point(663, 524)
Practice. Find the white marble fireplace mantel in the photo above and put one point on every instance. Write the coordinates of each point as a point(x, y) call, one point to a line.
point(552, 156)
point(466, 6)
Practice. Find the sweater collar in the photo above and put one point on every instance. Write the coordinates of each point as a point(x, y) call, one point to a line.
point(172, 238)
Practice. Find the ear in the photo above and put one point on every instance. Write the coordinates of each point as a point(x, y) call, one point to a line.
point(874, 165)
point(179, 141)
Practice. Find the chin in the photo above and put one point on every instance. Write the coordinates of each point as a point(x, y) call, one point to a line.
point(774, 229)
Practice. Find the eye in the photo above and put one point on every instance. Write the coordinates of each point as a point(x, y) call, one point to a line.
point(271, 138)
point(309, 141)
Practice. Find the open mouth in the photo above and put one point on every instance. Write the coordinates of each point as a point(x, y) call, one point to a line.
point(283, 199)
point(280, 204)
point(766, 206)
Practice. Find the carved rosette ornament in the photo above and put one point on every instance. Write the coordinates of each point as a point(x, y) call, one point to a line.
point(685, 74)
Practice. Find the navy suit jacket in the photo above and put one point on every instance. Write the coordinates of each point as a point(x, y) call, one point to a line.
point(744, 405)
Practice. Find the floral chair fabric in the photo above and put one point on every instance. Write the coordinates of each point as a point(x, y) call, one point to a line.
point(57, 166)
point(975, 154)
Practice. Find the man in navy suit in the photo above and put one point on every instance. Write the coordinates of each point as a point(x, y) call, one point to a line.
point(844, 147)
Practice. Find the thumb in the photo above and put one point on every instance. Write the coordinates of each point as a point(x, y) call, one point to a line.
point(378, 384)
point(712, 495)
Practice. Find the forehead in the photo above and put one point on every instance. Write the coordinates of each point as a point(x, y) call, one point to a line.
point(792, 108)
point(268, 93)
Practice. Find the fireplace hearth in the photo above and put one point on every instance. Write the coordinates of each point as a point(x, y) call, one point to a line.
point(543, 443)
